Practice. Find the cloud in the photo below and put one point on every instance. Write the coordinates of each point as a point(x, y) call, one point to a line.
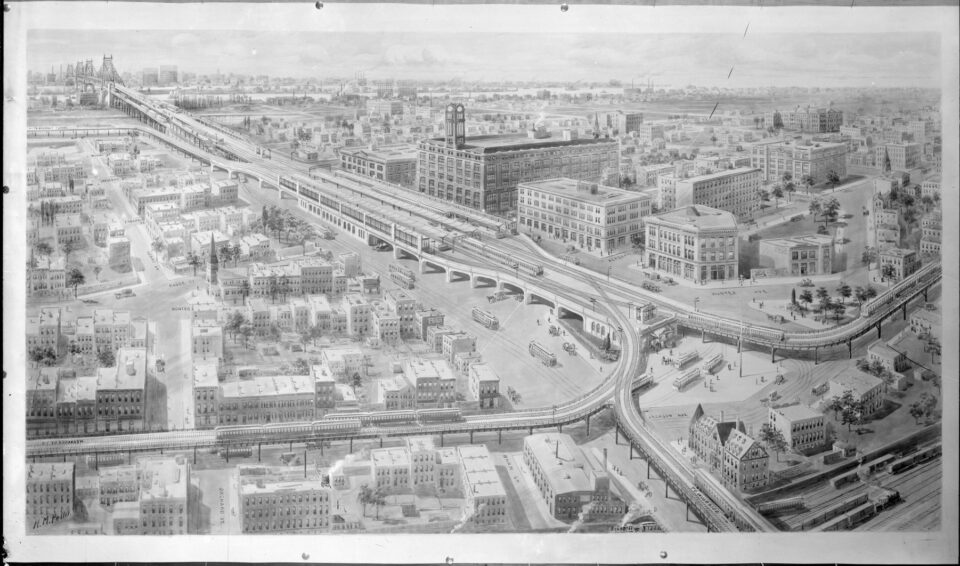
point(414, 56)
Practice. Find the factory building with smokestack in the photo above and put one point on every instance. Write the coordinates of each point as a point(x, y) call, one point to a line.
point(483, 172)
point(570, 480)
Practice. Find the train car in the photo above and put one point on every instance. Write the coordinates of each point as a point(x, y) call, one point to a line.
point(644, 380)
point(686, 378)
point(439, 415)
point(707, 366)
point(402, 281)
point(908, 462)
point(388, 418)
point(685, 358)
point(835, 511)
point(286, 431)
point(881, 463)
point(781, 505)
point(337, 426)
point(485, 318)
point(545, 356)
point(236, 451)
point(849, 519)
point(844, 479)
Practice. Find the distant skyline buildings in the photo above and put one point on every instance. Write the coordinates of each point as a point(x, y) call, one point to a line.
point(677, 60)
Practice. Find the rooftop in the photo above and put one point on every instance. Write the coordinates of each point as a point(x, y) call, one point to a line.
point(129, 373)
point(484, 372)
point(75, 389)
point(119, 474)
point(897, 252)
point(417, 369)
point(738, 443)
point(806, 240)
point(479, 474)
point(205, 374)
point(562, 462)
point(697, 216)
point(858, 382)
point(164, 479)
point(514, 142)
point(571, 188)
point(420, 443)
point(269, 385)
point(720, 174)
point(882, 348)
point(50, 471)
point(797, 412)
point(261, 487)
point(398, 457)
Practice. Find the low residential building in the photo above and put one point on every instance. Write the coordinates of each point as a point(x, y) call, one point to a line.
point(424, 319)
point(803, 428)
point(485, 386)
point(76, 405)
point(925, 321)
point(267, 399)
point(898, 263)
point(325, 391)
point(866, 389)
point(44, 330)
point(206, 395)
point(898, 156)
point(273, 505)
point(695, 242)
point(164, 495)
point(119, 484)
point(396, 393)
point(68, 228)
point(41, 395)
point(121, 392)
point(485, 495)
point(49, 493)
point(587, 214)
point(435, 336)
point(727, 450)
point(118, 252)
point(433, 380)
point(391, 470)
point(344, 361)
point(206, 341)
point(405, 307)
point(570, 482)
point(800, 255)
point(818, 160)
point(931, 187)
point(879, 352)
point(47, 276)
point(456, 343)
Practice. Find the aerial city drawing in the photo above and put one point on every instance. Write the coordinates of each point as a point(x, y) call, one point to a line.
point(283, 283)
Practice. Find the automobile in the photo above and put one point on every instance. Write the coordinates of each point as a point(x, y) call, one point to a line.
point(125, 293)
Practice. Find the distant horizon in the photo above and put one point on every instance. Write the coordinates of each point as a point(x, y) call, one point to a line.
point(901, 60)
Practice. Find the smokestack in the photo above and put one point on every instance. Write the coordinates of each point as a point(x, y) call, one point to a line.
point(556, 451)
point(604, 459)
point(721, 416)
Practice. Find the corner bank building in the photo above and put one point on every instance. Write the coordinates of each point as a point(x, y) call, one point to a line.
point(482, 172)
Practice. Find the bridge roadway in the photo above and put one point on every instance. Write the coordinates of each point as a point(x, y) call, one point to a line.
point(618, 385)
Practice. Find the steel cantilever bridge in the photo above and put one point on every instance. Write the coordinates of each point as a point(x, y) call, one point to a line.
point(375, 211)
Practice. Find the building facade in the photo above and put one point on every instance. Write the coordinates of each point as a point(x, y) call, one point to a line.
point(801, 255)
point(49, 493)
point(733, 190)
point(803, 428)
point(775, 158)
point(696, 242)
point(587, 214)
point(393, 164)
point(724, 447)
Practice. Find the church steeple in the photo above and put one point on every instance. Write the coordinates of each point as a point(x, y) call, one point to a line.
point(213, 265)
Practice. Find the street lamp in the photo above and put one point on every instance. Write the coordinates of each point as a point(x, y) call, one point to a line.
point(608, 272)
point(696, 302)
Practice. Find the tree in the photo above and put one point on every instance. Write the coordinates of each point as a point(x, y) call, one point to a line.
point(823, 295)
point(364, 497)
point(244, 290)
point(157, 245)
point(96, 272)
point(809, 181)
point(234, 323)
point(869, 256)
point(606, 343)
point(806, 297)
point(830, 210)
point(833, 178)
point(863, 365)
point(301, 367)
point(860, 294)
point(75, 278)
point(356, 381)
point(777, 193)
point(106, 358)
point(773, 438)
point(816, 207)
point(379, 499)
point(763, 195)
point(871, 292)
point(851, 414)
point(42, 355)
point(838, 310)
point(68, 247)
point(844, 291)
point(246, 330)
point(793, 296)
point(916, 411)
point(316, 331)
point(194, 261)
point(888, 272)
point(43, 248)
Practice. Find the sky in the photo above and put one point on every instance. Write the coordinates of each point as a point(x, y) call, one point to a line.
point(791, 59)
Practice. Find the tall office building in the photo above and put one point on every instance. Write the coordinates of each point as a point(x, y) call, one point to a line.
point(150, 77)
